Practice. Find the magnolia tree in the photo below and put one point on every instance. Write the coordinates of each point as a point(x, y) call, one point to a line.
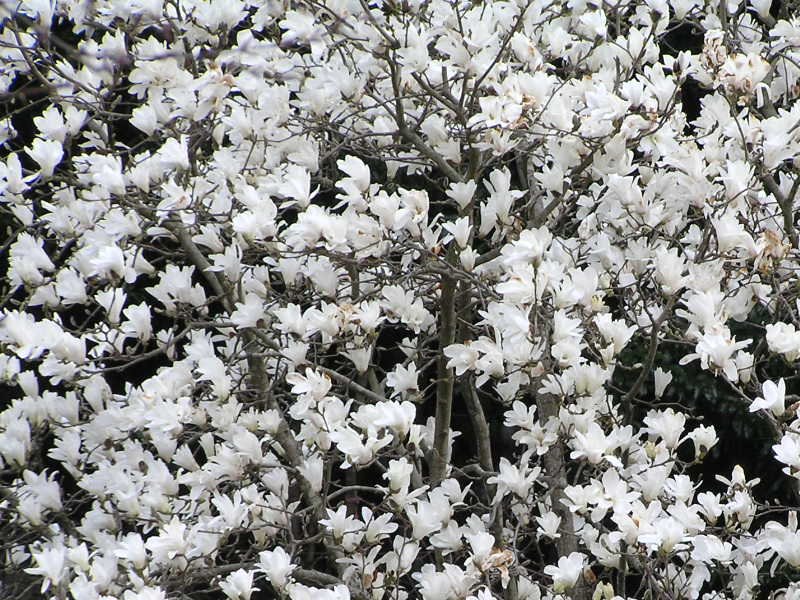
point(264, 258)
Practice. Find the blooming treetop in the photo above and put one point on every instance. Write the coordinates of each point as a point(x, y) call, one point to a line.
point(262, 256)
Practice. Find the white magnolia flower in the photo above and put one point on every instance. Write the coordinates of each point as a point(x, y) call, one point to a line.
point(403, 379)
point(277, 566)
point(48, 154)
point(785, 539)
point(788, 452)
point(462, 357)
point(462, 192)
point(716, 352)
point(566, 574)
point(238, 585)
point(774, 398)
point(785, 339)
point(662, 380)
point(708, 548)
point(460, 229)
point(704, 438)
point(666, 424)
point(51, 565)
point(399, 474)
point(170, 543)
point(511, 478)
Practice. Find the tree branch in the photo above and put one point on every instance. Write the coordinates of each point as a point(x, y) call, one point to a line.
point(786, 205)
point(444, 384)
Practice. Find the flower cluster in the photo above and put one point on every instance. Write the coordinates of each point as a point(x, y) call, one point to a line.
point(350, 299)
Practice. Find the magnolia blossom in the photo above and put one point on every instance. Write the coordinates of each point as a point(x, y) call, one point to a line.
point(785, 540)
point(667, 424)
point(513, 479)
point(788, 452)
point(566, 574)
point(704, 438)
point(773, 400)
point(741, 73)
point(238, 585)
point(716, 351)
point(462, 358)
point(785, 339)
point(662, 380)
point(170, 543)
point(51, 565)
point(403, 379)
point(47, 153)
point(145, 593)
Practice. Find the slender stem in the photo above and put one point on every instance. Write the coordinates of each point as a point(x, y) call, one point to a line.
point(347, 381)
